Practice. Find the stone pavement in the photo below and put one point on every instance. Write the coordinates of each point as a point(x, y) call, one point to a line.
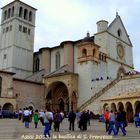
point(12, 129)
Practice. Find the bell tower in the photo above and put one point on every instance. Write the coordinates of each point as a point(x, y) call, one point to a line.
point(17, 38)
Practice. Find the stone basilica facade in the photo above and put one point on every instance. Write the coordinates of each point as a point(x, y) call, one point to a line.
point(89, 73)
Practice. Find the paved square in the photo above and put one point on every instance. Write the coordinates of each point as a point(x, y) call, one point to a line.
point(11, 129)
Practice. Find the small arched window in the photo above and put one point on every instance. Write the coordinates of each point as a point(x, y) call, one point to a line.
point(21, 12)
point(25, 14)
point(57, 61)
point(119, 32)
point(5, 15)
point(84, 52)
point(37, 63)
point(30, 16)
point(12, 11)
point(9, 13)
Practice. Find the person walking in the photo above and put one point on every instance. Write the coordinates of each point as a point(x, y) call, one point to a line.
point(20, 112)
point(71, 119)
point(51, 120)
point(26, 114)
point(36, 118)
point(47, 118)
point(88, 116)
point(119, 123)
point(125, 124)
point(112, 118)
point(78, 115)
point(41, 116)
point(83, 121)
point(57, 120)
point(106, 118)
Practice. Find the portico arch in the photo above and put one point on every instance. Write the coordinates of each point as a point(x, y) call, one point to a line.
point(129, 112)
point(120, 106)
point(137, 106)
point(113, 107)
point(105, 106)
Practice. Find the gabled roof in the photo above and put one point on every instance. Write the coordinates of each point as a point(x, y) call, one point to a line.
point(114, 21)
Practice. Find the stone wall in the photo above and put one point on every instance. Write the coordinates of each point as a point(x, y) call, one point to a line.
point(29, 94)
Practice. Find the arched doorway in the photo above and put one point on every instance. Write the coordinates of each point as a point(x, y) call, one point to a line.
point(61, 105)
point(137, 106)
point(8, 106)
point(113, 107)
point(121, 72)
point(129, 112)
point(57, 95)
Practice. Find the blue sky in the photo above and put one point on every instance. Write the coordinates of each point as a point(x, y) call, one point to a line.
point(60, 20)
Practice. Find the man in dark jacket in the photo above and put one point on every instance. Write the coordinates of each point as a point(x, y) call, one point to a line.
point(71, 118)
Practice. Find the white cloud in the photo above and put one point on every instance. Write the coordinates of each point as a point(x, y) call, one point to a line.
point(60, 20)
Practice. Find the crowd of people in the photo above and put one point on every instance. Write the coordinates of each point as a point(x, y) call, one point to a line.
point(52, 120)
point(115, 121)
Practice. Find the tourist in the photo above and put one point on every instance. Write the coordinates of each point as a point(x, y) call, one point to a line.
point(26, 114)
point(78, 115)
point(71, 119)
point(41, 117)
point(47, 118)
point(88, 117)
point(20, 112)
point(125, 124)
point(36, 118)
point(62, 116)
point(137, 119)
point(83, 121)
point(119, 122)
point(112, 118)
point(57, 121)
point(51, 119)
point(106, 118)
